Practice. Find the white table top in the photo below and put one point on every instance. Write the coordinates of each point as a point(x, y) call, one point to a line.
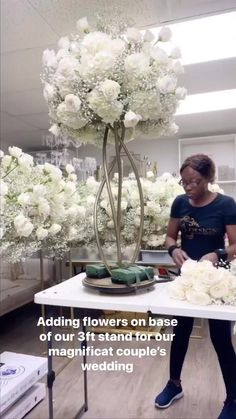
point(72, 293)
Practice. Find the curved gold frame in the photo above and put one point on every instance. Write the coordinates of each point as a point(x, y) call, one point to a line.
point(116, 212)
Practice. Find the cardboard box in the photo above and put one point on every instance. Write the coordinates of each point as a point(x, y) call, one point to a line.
point(26, 403)
point(18, 372)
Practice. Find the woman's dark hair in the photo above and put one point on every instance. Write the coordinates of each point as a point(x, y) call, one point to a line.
point(202, 164)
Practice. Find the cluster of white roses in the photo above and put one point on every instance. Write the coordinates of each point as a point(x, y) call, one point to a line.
point(38, 205)
point(111, 74)
point(158, 194)
point(202, 283)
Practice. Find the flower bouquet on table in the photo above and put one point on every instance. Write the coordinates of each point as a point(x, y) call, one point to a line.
point(105, 85)
point(202, 283)
point(39, 204)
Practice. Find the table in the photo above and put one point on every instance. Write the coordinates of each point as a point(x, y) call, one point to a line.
point(72, 293)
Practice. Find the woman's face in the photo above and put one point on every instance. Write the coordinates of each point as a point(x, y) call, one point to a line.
point(194, 184)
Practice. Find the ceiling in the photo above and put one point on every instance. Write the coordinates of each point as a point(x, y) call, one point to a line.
point(30, 26)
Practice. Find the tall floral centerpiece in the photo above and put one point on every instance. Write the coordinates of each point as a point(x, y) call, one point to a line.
point(106, 85)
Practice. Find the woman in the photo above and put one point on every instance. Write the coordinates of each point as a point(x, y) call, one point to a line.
point(203, 218)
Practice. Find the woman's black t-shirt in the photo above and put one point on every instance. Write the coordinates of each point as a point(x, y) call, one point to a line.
point(203, 228)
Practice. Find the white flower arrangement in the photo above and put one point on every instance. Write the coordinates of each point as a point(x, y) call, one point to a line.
point(39, 205)
point(158, 193)
point(112, 73)
point(203, 284)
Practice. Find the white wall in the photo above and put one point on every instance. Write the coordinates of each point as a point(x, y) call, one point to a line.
point(164, 151)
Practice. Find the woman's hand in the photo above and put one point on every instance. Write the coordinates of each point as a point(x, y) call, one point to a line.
point(179, 256)
point(212, 257)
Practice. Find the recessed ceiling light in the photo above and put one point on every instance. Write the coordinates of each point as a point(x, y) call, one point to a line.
point(208, 102)
point(205, 39)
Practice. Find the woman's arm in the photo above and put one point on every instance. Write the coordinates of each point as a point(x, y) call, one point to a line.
point(231, 249)
point(178, 255)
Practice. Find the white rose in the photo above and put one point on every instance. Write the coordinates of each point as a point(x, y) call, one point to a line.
point(176, 291)
point(62, 53)
point(64, 42)
point(69, 188)
point(55, 130)
point(110, 224)
point(43, 207)
point(131, 119)
point(220, 289)
point(166, 84)
point(159, 54)
point(175, 53)
point(180, 93)
point(26, 161)
point(110, 89)
point(6, 162)
point(72, 120)
point(95, 42)
point(72, 177)
point(73, 103)
point(133, 35)
point(188, 266)
point(69, 168)
point(199, 298)
point(123, 204)
point(82, 25)
point(15, 151)
point(23, 225)
point(54, 229)
point(1, 154)
point(165, 34)
point(131, 175)
point(104, 204)
point(53, 171)
point(172, 129)
point(136, 63)
point(148, 36)
point(49, 58)
point(24, 199)
point(41, 233)
point(150, 174)
point(177, 67)
point(39, 190)
point(66, 67)
point(73, 233)
point(3, 188)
